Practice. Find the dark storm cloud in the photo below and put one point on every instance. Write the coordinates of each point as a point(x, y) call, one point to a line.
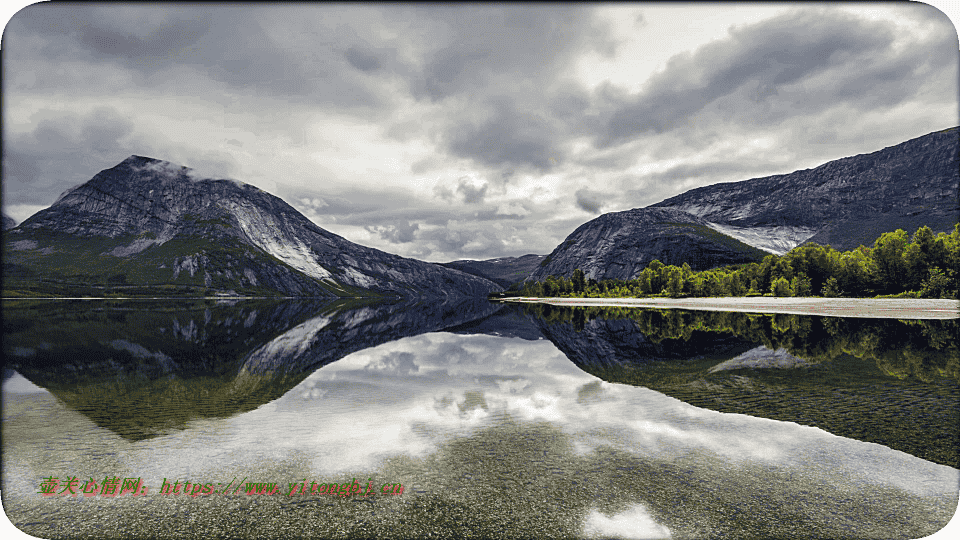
point(779, 64)
point(509, 136)
point(588, 200)
point(228, 44)
point(64, 150)
point(510, 67)
point(148, 41)
point(364, 60)
point(470, 192)
point(522, 41)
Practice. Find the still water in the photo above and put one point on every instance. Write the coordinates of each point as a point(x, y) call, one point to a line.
point(477, 419)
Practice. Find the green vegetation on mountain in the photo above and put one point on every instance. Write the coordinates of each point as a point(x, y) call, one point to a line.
point(926, 266)
point(87, 266)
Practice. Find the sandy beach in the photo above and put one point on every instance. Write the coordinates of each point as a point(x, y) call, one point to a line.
point(886, 308)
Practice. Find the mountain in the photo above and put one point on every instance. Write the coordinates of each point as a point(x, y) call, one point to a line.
point(619, 245)
point(150, 223)
point(843, 203)
point(8, 223)
point(201, 358)
point(504, 271)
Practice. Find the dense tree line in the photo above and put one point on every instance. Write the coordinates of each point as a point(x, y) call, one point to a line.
point(924, 266)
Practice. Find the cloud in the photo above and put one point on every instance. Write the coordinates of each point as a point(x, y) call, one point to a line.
point(398, 233)
point(479, 48)
point(443, 192)
point(588, 201)
point(471, 190)
point(508, 136)
point(297, 54)
point(362, 59)
point(393, 363)
point(800, 63)
point(63, 150)
point(512, 209)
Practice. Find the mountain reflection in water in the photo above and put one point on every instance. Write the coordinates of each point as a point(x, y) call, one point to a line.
point(892, 382)
point(493, 430)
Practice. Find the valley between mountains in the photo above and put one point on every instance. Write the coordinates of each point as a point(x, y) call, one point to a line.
point(147, 227)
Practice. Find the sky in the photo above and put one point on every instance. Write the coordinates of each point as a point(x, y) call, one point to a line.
point(445, 132)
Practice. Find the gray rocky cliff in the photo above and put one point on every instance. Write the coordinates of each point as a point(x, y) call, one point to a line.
point(619, 245)
point(844, 202)
point(227, 232)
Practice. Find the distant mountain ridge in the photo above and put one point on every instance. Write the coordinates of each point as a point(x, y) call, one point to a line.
point(504, 271)
point(842, 203)
point(148, 222)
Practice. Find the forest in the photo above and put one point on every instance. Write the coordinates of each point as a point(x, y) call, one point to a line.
point(896, 266)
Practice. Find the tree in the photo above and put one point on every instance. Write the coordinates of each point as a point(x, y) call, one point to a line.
point(579, 281)
point(831, 289)
point(781, 287)
point(800, 285)
point(887, 254)
point(937, 285)
point(674, 281)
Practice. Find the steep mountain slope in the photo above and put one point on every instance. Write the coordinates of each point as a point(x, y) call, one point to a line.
point(504, 271)
point(844, 203)
point(147, 222)
point(619, 245)
point(8, 222)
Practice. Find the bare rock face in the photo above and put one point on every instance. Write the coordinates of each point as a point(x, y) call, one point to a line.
point(843, 203)
point(619, 245)
point(155, 222)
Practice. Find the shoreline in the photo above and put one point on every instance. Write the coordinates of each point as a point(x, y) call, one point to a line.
point(880, 308)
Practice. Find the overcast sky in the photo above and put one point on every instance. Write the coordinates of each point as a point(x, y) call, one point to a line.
point(452, 132)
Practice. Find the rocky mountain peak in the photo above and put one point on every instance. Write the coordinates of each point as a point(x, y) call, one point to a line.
point(144, 203)
point(619, 245)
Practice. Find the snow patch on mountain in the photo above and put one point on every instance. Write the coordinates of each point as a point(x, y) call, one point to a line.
point(265, 232)
point(776, 240)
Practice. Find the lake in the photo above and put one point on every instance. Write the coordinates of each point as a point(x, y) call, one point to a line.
point(448, 419)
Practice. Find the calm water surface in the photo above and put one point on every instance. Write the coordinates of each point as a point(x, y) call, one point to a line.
point(497, 421)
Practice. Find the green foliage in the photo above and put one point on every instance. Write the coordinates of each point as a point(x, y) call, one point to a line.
point(937, 284)
point(781, 287)
point(579, 283)
point(800, 285)
point(831, 289)
point(928, 266)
